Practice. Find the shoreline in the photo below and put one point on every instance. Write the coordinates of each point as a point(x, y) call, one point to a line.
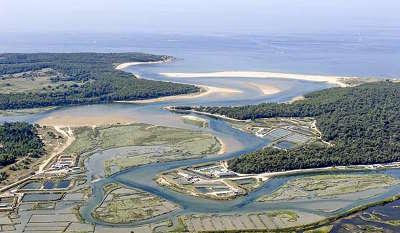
point(127, 64)
point(296, 98)
point(205, 90)
point(341, 81)
point(223, 148)
point(84, 121)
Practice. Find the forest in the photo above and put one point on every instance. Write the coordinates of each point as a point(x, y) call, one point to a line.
point(94, 77)
point(19, 139)
point(362, 123)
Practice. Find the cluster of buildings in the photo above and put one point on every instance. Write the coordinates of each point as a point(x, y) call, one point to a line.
point(189, 178)
point(215, 171)
point(63, 162)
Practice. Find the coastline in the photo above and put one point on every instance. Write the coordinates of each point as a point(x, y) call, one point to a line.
point(296, 98)
point(223, 148)
point(204, 89)
point(127, 64)
point(341, 81)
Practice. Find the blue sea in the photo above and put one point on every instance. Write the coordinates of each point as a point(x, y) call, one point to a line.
point(370, 53)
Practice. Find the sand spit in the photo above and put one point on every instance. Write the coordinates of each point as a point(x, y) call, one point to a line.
point(337, 80)
point(205, 91)
point(127, 64)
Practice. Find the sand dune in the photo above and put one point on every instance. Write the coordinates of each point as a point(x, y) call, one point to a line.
point(337, 80)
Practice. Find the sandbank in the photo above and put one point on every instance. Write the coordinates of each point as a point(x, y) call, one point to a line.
point(89, 120)
point(223, 147)
point(127, 64)
point(266, 89)
point(294, 99)
point(336, 80)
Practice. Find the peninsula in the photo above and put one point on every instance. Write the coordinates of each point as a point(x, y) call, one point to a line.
point(58, 79)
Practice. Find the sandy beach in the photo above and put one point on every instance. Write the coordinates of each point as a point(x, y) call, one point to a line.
point(296, 99)
point(266, 89)
point(223, 148)
point(336, 80)
point(205, 91)
point(127, 64)
point(88, 120)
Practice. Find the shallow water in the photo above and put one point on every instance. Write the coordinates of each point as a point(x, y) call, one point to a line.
point(35, 197)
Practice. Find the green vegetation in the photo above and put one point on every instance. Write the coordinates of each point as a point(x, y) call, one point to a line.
point(362, 123)
point(324, 229)
point(55, 79)
point(114, 136)
point(194, 120)
point(287, 214)
point(329, 185)
point(19, 139)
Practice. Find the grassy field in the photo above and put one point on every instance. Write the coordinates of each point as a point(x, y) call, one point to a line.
point(329, 185)
point(32, 81)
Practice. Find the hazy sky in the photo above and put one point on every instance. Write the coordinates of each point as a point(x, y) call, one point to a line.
point(197, 16)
